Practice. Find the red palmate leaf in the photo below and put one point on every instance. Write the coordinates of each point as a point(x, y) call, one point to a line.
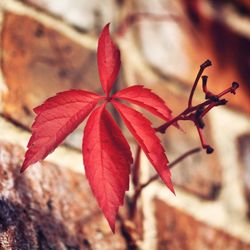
point(145, 135)
point(108, 57)
point(107, 156)
point(57, 118)
point(146, 99)
point(107, 160)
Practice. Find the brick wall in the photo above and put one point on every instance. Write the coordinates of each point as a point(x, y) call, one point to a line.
point(48, 46)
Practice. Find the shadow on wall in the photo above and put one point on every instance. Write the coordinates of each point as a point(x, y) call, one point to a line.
point(28, 226)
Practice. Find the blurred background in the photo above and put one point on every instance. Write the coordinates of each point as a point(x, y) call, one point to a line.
point(48, 46)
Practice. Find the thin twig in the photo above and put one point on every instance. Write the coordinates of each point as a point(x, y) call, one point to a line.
point(129, 233)
point(136, 167)
point(172, 164)
point(191, 113)
point(206, 106)
point(202, 68)
point(137, 193)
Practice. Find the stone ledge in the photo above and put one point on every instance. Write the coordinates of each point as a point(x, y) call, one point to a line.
point(39, 211)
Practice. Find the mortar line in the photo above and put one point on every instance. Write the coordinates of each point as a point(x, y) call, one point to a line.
point(61, 26)
point(62, 156)
point(149, 222)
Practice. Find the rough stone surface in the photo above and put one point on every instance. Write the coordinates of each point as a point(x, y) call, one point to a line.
point(38, 62)
point(180, 231)
point(49, 208)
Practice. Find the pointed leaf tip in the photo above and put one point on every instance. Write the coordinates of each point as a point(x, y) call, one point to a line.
point(144, 134)
point(107, 160)
point(22, 169)
point(56, 118)
point(108, 60)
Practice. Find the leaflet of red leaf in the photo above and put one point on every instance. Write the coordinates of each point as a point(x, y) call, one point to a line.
point(146, 99)
point(107, 160)
point(56, 118)
point(145, 135)
point(108, 58)
point(69, 96)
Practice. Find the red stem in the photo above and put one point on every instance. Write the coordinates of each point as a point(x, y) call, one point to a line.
point(202, 68)
point(191, 113)
point(137, 193)
point(186, 114)
point(136, 167)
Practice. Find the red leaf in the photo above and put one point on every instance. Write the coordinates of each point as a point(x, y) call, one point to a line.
point(56, 118)
point(145, 135)
point(107, 156)
point(69, 96)
point(146, 99)
point(107, 160)
point(108, 57)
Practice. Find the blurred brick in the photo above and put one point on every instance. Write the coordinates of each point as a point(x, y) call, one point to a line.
point(244, 158)
point(229, 64)
point(84, 14)
point(180, 231)
point(162, 42)
point(39, 211)
point(200, 173)
point(38, 62)
point(242, 6)
point(176, 49)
